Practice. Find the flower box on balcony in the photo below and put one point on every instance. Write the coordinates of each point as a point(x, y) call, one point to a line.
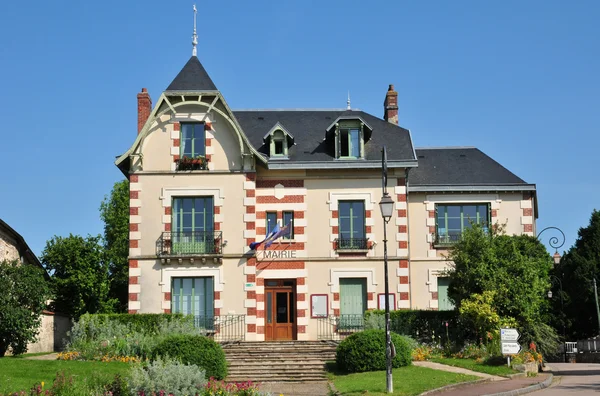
point(196, 163)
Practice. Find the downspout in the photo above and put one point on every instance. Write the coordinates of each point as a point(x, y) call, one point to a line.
point(410, 280)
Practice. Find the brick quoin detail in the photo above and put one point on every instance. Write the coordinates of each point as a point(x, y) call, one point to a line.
point(133, 227)
point(133, 280)
point(403, 264)
point(133, 178)
point(168, 210)
point(404, 296)
point(286, 199)
point(167, 310)
point(281, 265)
point(284, 183)
point(132, 311)
point(250, 278)
point(134, 194)
point(401, 181)
point(167, 296)
point(528, 227)
point(402, 229)
point(401, 212)
point(133, 264)
point(133, 244)
point(494, 212)
point(300, 281)
point(371, 296)
point(302, 297)
point(217, 295)
point(251, 328)
point(251, 311)
point(251, 295)
point(403, 280)
point(133, 297)
point(336, 296)
point(301, 329)
point(133, 211)
point(528, 212)
point(434, 295)
point(403, 244)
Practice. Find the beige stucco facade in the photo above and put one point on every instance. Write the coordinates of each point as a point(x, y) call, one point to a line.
point(245, 189)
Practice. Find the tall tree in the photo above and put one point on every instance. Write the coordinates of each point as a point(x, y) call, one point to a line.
point(577, 269)
point(79, 274)
point(114, 211)
point(23, 296)
point(515, 268)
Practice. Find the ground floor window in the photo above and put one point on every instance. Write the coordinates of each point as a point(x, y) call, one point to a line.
point(194, 296)
point(444, 303)
point(353, 301)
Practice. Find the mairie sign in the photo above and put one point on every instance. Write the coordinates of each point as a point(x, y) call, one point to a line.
point(509, 335)
point(275, 254)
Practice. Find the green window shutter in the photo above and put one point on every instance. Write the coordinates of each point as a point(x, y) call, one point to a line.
point(444, 303)
point(353, 296)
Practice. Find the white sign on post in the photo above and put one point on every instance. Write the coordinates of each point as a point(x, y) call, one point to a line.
point(509, 335)
point(510, 348)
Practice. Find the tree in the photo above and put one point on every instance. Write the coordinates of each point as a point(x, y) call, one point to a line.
point(579, 266)
point(23, 297)
point(114, 211)
point(515, 268)
point(79, 274)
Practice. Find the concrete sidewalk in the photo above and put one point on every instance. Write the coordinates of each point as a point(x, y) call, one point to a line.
point(495, 387)
point(296, 388)
point(458, 370)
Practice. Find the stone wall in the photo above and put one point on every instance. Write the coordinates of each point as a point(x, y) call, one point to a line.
point(53, 332)
point(8, 249)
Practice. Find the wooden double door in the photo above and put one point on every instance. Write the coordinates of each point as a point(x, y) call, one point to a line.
point(280, 309)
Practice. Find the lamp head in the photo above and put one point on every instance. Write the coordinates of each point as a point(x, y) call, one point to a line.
point(549, 293)
point(386, 205)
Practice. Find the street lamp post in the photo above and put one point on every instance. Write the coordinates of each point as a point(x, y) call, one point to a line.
point(387, 209)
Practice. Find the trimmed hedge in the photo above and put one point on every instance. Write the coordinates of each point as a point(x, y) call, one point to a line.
point(365, 351)
point(143, 323)
point(199, 350)
point(425, 325)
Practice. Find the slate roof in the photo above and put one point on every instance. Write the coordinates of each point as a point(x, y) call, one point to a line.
point(192, 77)
point(311, 143)
point(460, 166)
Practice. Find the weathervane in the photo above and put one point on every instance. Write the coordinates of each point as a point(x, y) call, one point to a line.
point(194, 36)
point(348, 102)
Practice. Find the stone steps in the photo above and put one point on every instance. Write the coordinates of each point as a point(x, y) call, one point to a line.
point(296, 361)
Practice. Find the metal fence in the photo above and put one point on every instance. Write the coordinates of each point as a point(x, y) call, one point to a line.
point(223, 328)
point(588, 345)
point(352, 243)
point(339, 327)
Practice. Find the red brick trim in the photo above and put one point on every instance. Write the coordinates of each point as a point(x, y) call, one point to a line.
point(286, 199)
point(285, 183)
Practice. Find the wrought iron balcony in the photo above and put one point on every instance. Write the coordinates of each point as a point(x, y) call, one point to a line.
point(192, 163)
point(446, 239)
point(190, 243)
point(352, 244)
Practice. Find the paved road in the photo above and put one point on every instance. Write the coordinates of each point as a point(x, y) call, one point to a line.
point(574, 379)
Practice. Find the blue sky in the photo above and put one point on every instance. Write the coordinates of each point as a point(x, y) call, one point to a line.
point(519, 80)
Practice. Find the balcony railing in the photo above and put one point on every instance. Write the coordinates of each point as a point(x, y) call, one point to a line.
point(352, 244)
point(223, 328)
point(190, 243)
point(446, 239)
point(188, 163)
point(339, 327)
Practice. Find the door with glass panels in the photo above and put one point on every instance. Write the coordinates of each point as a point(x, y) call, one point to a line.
point(353, 302)
point(280, 309)
point(192, 229)
point(194, 296)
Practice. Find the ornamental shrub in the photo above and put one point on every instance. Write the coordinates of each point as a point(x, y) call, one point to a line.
point(199, 350)
point(169, 376)
point(365, 351)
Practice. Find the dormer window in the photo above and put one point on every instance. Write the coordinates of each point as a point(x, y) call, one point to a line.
point(350, 143)
point(278, 141)
point(349, 133)
point(278, 144)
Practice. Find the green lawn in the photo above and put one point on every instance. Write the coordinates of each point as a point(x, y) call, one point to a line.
point(411, 380)
point(21, 374)
point(470, 364)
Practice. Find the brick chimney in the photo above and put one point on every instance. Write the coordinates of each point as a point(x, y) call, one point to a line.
point(144, 108)
point(390, 106)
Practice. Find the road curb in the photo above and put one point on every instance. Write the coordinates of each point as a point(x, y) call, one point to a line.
point(531, 388)
point(457, 385)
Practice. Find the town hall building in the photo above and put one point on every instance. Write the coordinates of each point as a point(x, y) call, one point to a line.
point(207, 181)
